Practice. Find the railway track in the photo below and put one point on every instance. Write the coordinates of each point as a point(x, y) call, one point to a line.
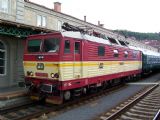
point(36, 110)
point(24, 113)
point(142, 106)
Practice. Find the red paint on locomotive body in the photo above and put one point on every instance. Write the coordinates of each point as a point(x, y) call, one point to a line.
point(88, 50)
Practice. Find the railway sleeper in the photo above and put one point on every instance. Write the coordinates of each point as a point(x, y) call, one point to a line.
point(151, 104)
point(144, 109)
point(146, 112)
point(154, 95)
point(156, 91)
point(147, 106)
point(124, 117)
point(140, 116)
point(153, 101)
point(151, 98)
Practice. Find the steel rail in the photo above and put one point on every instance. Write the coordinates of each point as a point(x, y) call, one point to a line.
point(157, 116)
point(130, 104)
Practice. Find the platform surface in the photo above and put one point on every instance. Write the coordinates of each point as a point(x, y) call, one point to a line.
point(12, 92)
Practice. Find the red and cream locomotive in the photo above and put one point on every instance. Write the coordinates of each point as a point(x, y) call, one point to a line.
point(59, 65)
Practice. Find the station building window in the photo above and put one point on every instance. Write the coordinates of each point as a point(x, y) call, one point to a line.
point(4, 6)
point(2, 59)
point(41, 21)
point(101, 50)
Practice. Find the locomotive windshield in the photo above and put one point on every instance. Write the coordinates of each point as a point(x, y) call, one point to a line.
point(34, 45)
point(49, 45)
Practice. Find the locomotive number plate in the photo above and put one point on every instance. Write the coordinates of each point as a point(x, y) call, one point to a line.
point(40, 66)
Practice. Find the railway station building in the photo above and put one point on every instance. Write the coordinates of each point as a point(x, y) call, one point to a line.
point(20, 18)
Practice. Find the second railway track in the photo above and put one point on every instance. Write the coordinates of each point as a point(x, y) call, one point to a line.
point(142, 106)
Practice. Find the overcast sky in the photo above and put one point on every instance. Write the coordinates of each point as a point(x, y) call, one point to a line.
point(133, 15)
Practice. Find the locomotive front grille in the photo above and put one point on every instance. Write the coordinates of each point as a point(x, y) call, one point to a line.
point(46, 88)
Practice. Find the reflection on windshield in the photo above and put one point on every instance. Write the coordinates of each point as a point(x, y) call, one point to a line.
point(51, 45)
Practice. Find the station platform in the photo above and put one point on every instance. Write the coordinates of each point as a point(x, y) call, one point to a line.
point(12, 92)
point(12, 96)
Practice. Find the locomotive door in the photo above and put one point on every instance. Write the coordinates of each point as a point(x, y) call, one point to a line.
point(77, 59)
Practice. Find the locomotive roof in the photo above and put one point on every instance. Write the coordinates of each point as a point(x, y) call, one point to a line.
point(85, 37)
point(105, 41)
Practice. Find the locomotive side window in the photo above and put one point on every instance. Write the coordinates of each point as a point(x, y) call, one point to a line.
point(34, 45)
point(101, 50)
point(67, 46)
point(51, 45)
point(134, 54)
point(77, 47)
point(116, 54)
point(125, 54)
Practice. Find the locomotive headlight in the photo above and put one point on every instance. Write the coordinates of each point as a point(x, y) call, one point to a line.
point(52, 75)
point(29, 73)
point(56, 75)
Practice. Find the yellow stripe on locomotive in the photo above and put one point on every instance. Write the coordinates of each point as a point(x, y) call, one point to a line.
point(74, 70)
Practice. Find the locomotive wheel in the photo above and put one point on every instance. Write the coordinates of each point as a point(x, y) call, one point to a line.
point(67, 95)
point(104, 85)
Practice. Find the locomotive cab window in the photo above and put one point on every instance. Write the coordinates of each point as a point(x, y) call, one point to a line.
point(101, 50)
point(116, 54)
point(34, 45)
point(77, 47)
point(51, 45)
point(67, 46)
